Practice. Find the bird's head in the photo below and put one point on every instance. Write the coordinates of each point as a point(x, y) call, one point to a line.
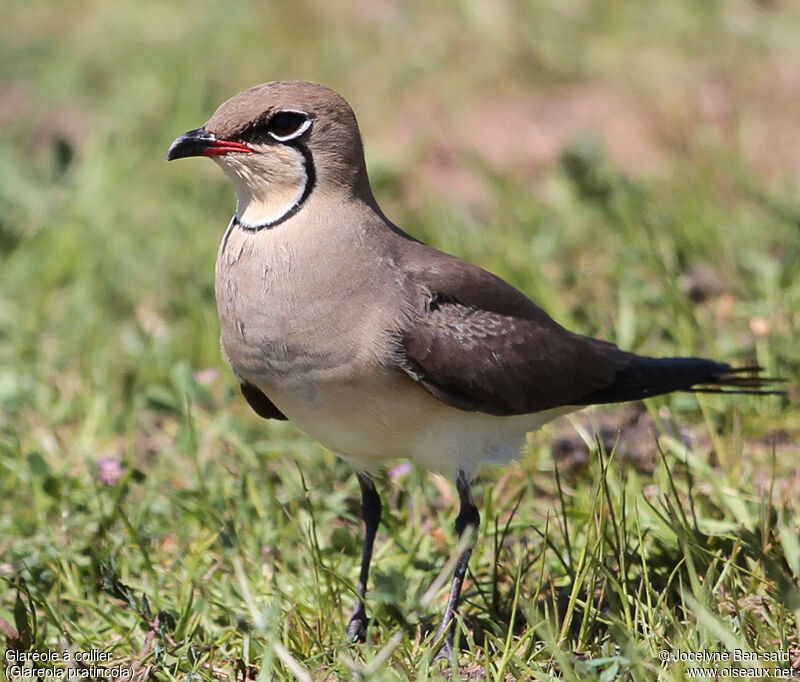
point(279, 143)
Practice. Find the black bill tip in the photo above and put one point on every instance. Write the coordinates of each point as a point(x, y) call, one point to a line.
point(195, 142)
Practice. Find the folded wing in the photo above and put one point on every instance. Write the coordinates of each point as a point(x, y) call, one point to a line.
point(477, 343)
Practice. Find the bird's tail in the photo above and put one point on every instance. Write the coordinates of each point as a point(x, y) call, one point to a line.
point(643, 377)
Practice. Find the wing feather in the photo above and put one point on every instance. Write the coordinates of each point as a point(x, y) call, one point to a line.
point(477, 343)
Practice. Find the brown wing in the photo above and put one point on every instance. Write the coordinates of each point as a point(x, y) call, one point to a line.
point(481, 360)
point(477, 343)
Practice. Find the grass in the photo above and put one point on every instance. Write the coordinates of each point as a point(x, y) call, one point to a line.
point(145, 512)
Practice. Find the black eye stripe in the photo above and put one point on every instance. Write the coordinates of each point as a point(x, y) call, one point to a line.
point(280, 126)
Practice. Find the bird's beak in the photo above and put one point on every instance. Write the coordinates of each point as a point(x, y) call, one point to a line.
point(200, 142)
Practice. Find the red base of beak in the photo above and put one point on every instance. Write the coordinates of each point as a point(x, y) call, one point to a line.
point(222, 147)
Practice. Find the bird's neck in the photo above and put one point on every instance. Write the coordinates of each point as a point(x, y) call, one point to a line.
point(265, 198)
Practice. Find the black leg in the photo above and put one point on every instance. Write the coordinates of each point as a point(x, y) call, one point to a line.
point(468, 515)
point(371, 514)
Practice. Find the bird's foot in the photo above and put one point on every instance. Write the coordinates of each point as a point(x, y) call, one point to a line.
point(357, 627)
point(445, 651)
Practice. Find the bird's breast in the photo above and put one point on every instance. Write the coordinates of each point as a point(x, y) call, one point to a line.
point(290, 313)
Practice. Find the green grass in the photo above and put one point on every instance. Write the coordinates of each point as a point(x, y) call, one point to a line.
point(229, 548)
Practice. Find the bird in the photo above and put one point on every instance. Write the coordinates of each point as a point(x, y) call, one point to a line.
point(377, 345)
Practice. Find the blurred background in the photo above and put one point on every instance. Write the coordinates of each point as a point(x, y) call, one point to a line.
point(634, 167)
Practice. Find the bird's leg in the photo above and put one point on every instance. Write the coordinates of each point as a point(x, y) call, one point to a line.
point(371, 515)
point(468, 515)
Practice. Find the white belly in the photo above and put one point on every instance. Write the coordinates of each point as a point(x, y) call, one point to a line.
point(369, 421)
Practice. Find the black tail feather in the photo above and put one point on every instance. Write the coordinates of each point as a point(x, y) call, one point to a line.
point(742, 380)
point(644, 377)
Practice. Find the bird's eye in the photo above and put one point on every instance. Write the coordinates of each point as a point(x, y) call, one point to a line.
point(286, 125)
